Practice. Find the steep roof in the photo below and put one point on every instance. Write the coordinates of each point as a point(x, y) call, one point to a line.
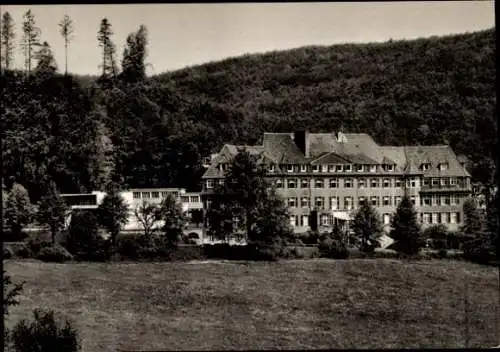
point(281, 148)
point(435, 155)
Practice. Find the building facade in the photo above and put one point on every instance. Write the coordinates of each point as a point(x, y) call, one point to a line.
point(332, 173)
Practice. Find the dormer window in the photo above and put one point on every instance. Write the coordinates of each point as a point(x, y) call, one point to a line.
point(331, 168)
point(303, 168)
point(373, 168)
point(339, 168)
point(360, 168)
point(389, 167)
point(315, 168)
point(324, 168)
point(443, 166)
point(348, 168)
point(289, 168)
point(425, 166)
point(271, 168)
point(210, 184)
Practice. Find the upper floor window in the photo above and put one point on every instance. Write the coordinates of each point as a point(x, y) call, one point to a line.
point(413, 182)
point(292, 202)
point(210, 183)
point(413, 200)
point(303, 168)
point(425, 166)
point(373, 168)
point(426, 201)
point(315, 168)
point(361, 200)
point(221, 181)
point(331, 168)
point(374, 201)
point(318, 202)
point(304, 202)
point(194, 199)
point(397, 183)
point(164, 194)
point(443, 166)
point(360, 168)
point(348, 183)
point(304, 183)
point(319, 183)
point(397, 200)
point(373, 183)
point(386, 201)
point(339, 168)
point(292, 183)
point(137, 195)
point(146, 195)
point(184, 199)
point(155, 195)
point(453, 181)
point(271, 168)
point(435, 181)
point(334, 203)
point(324, 168)
point(348, 168)
point(348, 203)
point(334, 183)
point(386, 183)
point(279, 183)
point(362, 183)
point(289, 168)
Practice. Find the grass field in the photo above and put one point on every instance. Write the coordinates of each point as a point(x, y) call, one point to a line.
point(290, 304)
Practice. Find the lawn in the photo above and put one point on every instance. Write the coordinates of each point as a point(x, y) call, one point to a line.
point(290, 305)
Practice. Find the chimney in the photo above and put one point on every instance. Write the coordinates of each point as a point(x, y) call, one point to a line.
point(301, 139)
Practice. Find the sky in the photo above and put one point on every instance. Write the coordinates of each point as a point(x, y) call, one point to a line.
point(183, 35)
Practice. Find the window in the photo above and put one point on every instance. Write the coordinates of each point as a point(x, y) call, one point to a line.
point(292, 183)
point(443, 166)
point(413, 200)
point(319, 183)
point(387, 219)
point(373, 168)
point(324, 168)
point(318, 202)
point(455, 200)
point(221, 181)
point(305, 220)
point(445, 181)
point(315, 168)
point(445, 200)
point(374, 201)
point(324, 220)
point(390, 167)
point(361, 200)
point(436, 200)
point(164, 194)
point(155, 195)
point(362, 183)
point(136, 195)
point(194, 199)
point(334, 183)
point(426, 182)
point(426, 218)
point(426, 201)
point(435, 181)
point(425, 166)
point(386, 201)
point(304, 202)
point(434, 218)
point(331, 168)
point(453, 218)
point(210, 184)
point(347, 203)
point(458, 217)
point(360, 168)
point(445, 218)
point(279, 183)
point(175, 194)
point(453, 181)
point(348, 183)
point(292, 202)
point(304, 183)
point(397, 183)
point(303, 168)
point(373, 183)
point(289, 168)
point(413, 182)
point(334, 203)
point(293, 220)
point(386, 183)
point(397, 200)
point(339, 168)
point(271, 168)
point(146, 195)
point(348, 168)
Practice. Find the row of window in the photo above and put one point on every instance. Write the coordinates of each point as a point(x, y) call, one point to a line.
point(332, 168)
point(425, 218)
point(347, 183)
point(436, 200)
point(163, 194)
point(348, 202)
point(436, 182)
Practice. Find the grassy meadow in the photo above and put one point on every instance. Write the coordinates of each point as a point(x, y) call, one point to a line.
point(298, 304)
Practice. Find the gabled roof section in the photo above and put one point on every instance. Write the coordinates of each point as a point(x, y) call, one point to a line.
point(330, 158)
point(435, 155)
point(322, 143)
point(281, 148)
point(363, 144)
point(213, 172)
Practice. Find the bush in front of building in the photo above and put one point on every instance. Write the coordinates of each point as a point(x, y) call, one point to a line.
point(84, 239)
point(56, 253)
point(333, 248)
point(438, 234)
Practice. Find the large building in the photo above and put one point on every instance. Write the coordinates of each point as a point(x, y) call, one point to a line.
point(332, 173)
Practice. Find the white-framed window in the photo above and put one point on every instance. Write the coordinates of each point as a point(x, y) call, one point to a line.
point(443, 166)
point(413, 182)
point(435, 200)
point(361, 183)
point(324, 168)
point(210, 184)
point(315, 168)
point(386, 201)
point(324, 220)
point(443, 181)
point(387, 219)
point(435, 181)
point(319, 183)
point(293, 220)
point(155, 194)
point(453, 181)
point(360, 168)
point(348, 183)
point(339, 168)
point(373, 183)
point(146, 195)
point(453, 218)
point(136, 195)
point(374, 201)
point(292, 202)
point(445, 200)
point(279, 183)
point(334, 183)
point(426, 200)
point(397, 183)
point(426, 181)
point(303, 168)
point(304, 183)
point(221, 181)
point(334, 203)
point(348, 168)
point(373, 168)
point(164, 194)
point(304, 202)
point(348, 203)
point(390, 167)
point(271, 168)
point(386, 183)
point(426, 218)
point(289, 168)
point(331, 168)
point(397, 200)
point(425, 166)
point(319, 202)
point(413, 200)
point(305, 220)
point(194, 199)
point(455, 200)
point(361, 200)
point(435, 217)
point(291, 183)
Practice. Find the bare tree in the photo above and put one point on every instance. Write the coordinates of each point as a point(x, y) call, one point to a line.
point(31, 39)
point(148, 215)
point(7, 39)
point(66, 30)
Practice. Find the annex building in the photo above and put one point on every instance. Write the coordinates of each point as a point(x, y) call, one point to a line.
point(332, 173)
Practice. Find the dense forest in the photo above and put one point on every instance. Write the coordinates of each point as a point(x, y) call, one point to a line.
point(139, 131)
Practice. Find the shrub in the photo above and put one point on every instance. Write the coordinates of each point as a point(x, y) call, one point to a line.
point(8, 253)
point(442, 253)
point(55, 253)
point(330, 248)
point(129, 247)
point(37, 245)
point(9, 236)
point(437, 234)
point(23, 251)
point(45, 334)
point(84, 238)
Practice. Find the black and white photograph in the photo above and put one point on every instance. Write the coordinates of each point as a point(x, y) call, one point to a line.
point(249, 176)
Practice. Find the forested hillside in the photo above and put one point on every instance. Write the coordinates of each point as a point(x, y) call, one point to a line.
point(154, 131)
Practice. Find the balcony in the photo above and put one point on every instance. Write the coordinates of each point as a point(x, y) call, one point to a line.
point(460, 187)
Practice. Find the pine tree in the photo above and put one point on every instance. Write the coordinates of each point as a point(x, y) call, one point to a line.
point(66, 30)
point(406, 230)
point(8, 36)
point(53, 211)
point(18, 210)
point(31, 36)
point(174, 219)
point(473, 231)
point(108, 51)
point(367, 227)
point(113, 213)
point(46, 66)
point(134, 54)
